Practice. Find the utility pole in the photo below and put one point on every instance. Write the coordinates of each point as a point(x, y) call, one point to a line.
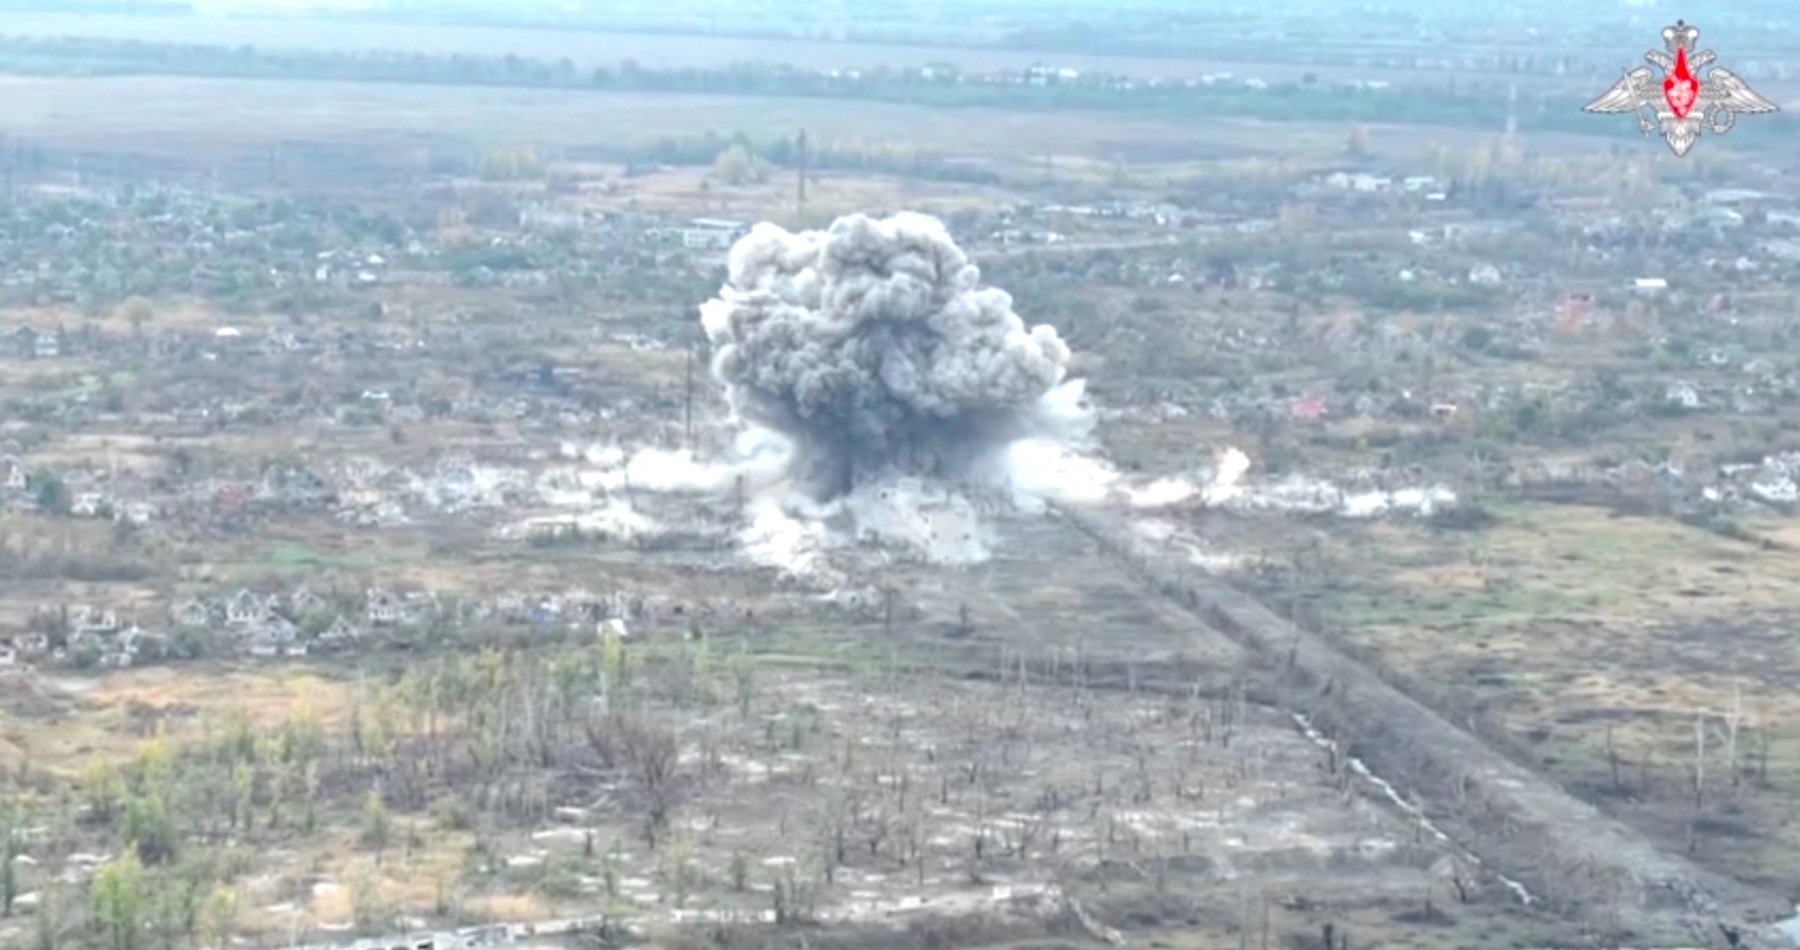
point(687, 411)
point(800, 182)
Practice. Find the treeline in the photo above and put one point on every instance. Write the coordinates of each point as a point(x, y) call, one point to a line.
point(1283, 102)
point(1576, 47)
point(879, 158)
point(706, 148)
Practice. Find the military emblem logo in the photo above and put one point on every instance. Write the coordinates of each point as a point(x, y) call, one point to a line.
point(1685, 102)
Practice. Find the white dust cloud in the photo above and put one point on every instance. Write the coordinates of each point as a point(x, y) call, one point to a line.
point(881, 398)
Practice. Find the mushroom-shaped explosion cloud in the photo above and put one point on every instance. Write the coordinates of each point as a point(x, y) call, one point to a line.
point(872, 347)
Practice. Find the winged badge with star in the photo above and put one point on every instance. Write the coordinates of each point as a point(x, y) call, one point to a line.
point(1682, 103)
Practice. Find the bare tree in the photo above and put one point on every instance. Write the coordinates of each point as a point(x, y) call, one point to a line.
point(1733, 721)
point(1699, 767)
point(652, 753)
point(1765, 738)
point(1612, 759)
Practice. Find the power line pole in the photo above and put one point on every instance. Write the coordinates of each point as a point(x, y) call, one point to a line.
point(800, 182)
point(687, 412)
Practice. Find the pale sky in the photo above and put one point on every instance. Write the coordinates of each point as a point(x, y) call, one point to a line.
point(278, 6)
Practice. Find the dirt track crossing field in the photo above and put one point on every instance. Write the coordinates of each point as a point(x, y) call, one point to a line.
point(1515, 819)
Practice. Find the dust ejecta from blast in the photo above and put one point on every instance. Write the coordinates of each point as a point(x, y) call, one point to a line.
point(873, 348)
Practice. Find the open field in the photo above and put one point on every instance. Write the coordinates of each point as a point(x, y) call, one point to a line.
point(1597, 643)
point(158, 114)
point(589, 49)
point(680, 190)
point(355, 133)
point(608, 50)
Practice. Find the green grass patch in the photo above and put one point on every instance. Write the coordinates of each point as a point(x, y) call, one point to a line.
point(288, 556)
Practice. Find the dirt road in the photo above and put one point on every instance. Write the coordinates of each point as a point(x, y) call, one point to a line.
point(1517, 821)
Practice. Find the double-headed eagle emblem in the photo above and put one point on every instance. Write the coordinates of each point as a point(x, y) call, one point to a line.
point(1685, 102)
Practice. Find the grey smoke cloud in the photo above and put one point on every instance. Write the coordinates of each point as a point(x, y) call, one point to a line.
point(874, 348)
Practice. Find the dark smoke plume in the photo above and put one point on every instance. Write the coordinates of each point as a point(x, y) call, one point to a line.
point(871, 346)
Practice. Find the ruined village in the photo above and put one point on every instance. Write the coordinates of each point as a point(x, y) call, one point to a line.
point(384, 567)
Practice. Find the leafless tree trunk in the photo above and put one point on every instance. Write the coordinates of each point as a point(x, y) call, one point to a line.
point(652, 753)
point(1699, 770)
point(1733, 721)
point(1764, 739)
point(1244, 919)
point(1612, 759)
